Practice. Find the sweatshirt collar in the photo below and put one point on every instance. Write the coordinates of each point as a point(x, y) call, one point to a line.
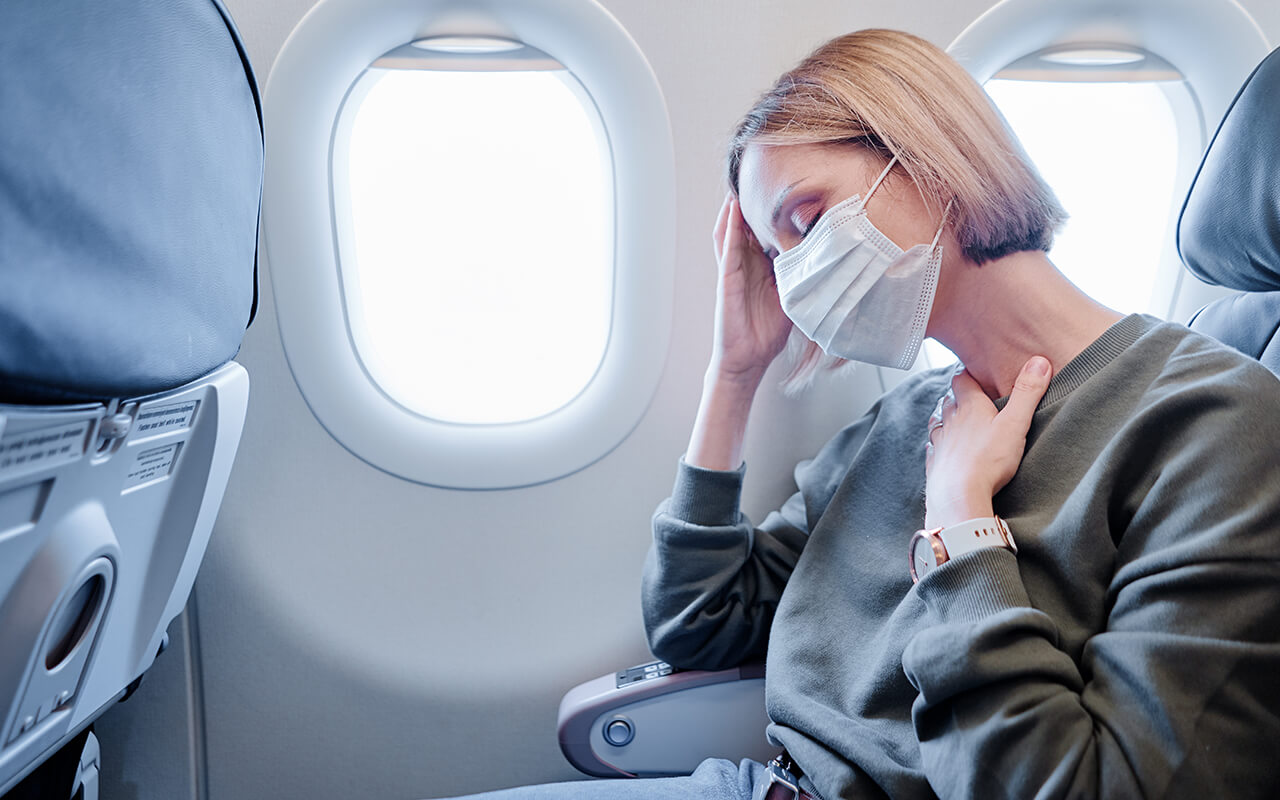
point(1114, 341)
point(1101, 352)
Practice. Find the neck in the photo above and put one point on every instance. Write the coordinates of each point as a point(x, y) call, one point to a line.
point(996, 316)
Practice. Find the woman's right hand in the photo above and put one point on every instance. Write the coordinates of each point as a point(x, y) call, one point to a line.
point(751, 328)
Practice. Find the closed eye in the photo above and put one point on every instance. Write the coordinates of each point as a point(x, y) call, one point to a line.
point(804, 219)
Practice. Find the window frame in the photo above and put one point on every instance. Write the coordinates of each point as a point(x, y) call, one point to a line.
point(322, 59)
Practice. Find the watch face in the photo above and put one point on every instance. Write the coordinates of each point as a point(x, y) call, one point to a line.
point(923, 557)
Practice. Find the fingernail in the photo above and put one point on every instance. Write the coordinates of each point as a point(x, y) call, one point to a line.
point(1038, 365)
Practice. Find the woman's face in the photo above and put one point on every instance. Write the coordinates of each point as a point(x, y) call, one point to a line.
point(784, 189)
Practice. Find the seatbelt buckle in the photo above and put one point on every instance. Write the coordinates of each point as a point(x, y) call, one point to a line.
point(779, 784)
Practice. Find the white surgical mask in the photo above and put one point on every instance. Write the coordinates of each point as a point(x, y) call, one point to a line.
point(856, 293)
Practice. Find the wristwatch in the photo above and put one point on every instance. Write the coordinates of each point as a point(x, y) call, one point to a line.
point(930, 549)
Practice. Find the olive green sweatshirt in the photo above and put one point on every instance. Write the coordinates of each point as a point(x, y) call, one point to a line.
point(1131, 647)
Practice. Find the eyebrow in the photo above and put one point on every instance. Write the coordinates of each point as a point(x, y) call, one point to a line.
point(777, 207)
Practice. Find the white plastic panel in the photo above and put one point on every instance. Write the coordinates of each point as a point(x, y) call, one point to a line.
point(105, 513)
point(325, 54)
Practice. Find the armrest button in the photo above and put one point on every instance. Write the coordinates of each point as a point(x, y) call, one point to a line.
point(618, 731)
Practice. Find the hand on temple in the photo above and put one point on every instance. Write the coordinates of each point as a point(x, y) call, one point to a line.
point(751, 328)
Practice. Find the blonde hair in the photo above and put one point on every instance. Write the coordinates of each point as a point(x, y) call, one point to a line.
point(896, 94)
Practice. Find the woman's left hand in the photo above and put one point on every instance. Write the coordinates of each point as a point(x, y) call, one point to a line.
point(974, 450)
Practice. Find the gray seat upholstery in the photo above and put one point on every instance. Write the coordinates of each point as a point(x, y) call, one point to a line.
point(130, 175)
point(1229, 229)
point(130, 180)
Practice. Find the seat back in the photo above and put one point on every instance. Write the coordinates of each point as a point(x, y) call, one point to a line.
point(130, 175)
point(1229, 229)
point(105, 512)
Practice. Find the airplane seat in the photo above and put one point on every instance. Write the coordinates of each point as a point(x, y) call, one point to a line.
point(130, 178)
point(652, 720)
point(1229, 229)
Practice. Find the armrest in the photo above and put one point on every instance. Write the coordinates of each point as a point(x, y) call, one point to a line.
point(655, 720)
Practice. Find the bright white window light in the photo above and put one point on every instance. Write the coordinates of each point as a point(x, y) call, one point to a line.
point(1110, 152)
point(479, 279)
point(936, 354)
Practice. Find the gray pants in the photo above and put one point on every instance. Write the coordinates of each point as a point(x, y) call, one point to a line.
point(714, 779)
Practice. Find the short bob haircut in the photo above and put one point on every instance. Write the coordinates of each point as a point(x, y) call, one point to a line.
point(897, 95)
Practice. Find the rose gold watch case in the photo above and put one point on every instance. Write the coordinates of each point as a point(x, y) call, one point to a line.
point(940, 555)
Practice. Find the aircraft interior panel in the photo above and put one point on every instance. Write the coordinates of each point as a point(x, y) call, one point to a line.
point(395, 630)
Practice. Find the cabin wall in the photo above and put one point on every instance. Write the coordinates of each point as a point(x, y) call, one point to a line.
point(357, 635)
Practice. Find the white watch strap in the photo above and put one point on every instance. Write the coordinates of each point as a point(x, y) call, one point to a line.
point(975, 534)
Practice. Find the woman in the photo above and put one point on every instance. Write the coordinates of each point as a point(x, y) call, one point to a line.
point(1089, 609)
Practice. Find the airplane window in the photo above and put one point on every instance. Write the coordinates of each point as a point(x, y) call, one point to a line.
point(471, 236)
point(1111, 100)
point(479, 271)
point(1110, 151)
point(1114, 131)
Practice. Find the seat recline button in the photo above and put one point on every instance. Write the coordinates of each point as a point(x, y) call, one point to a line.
point(619, 731)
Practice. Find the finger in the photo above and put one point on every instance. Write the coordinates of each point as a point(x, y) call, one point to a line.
point(964, 393)
point(965, 389)
point(732, 244)
point(717, 235)
point(739, 241)
point(1027, 391)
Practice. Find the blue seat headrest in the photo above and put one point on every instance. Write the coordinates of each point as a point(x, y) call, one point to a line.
point(130, 178)
point(1229, 229)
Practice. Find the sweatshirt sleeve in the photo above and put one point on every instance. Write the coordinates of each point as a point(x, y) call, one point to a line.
point(1176, 696)
point(712, 580)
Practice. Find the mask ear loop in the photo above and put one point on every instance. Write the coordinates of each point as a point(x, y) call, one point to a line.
point(941, 225)
point(945, 212)
point(876, 185)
